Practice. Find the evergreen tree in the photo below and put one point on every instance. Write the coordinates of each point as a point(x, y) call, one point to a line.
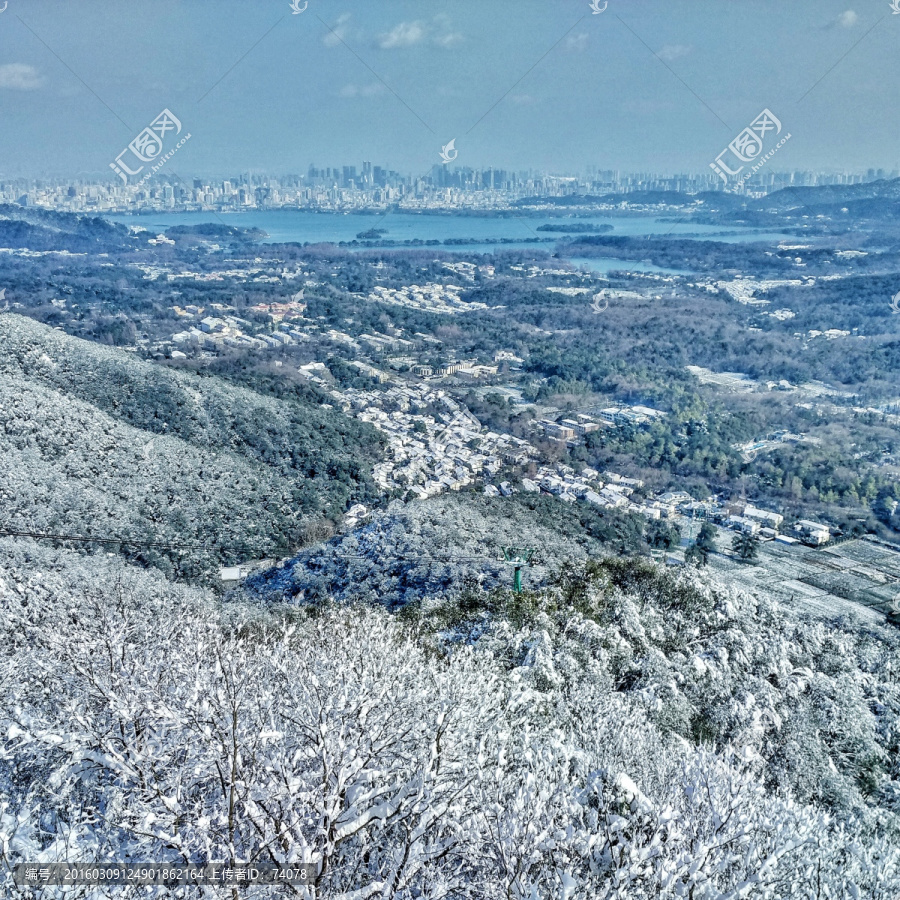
point(696, 554)
point(746, 546)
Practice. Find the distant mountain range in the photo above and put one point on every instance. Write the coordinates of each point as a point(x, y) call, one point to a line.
point(869, 200)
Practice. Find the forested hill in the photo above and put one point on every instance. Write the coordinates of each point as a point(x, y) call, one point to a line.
point(434, 548)
point(95, 442)
point(43, 230)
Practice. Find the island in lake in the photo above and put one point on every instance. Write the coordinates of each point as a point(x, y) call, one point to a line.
point(577, 228)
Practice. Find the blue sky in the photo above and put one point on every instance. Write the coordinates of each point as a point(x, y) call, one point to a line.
point(646, 85)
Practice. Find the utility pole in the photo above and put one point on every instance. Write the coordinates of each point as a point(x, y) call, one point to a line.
point(518, 557)
point(698, 516)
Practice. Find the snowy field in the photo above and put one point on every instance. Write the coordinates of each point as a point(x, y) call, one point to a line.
point(855, 578)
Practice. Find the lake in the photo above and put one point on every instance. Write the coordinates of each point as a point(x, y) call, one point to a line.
point(303, 226)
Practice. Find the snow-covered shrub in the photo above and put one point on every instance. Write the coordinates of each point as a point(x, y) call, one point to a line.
point(816, 702)
point(146, 724)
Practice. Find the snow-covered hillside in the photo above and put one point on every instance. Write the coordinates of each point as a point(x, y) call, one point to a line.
point(542, 760)
point(94, 442)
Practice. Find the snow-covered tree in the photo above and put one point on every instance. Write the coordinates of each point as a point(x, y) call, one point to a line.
point(144, 722)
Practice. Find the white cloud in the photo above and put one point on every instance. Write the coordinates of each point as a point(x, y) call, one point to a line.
point(406, 34)
point(846, 19)
point(445, 37)
point(364, 90)
point(671, 52)
point(20, 77)
point(409, 34)
point(338, 31)
point(577, 42)
point(449, 39)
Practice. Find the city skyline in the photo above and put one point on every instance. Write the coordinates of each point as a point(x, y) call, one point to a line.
point(370, 187)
